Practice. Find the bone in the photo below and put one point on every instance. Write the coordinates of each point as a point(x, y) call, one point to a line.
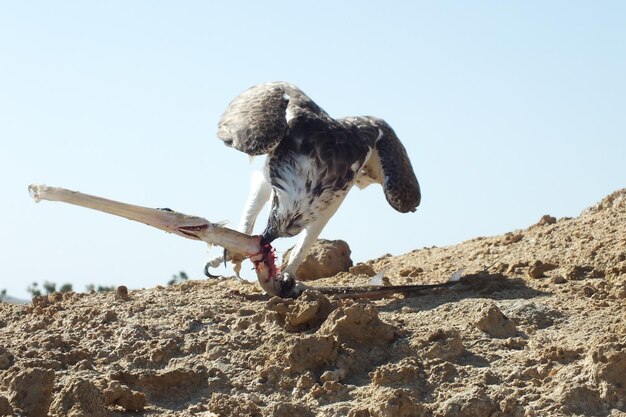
point(191, 227)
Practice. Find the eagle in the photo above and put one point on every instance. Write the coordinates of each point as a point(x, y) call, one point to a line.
point(312, 161)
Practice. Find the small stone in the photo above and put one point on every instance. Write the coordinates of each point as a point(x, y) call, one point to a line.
point(312, 352)
point(511, 238)
point(5, 407)
point(32, 391)
point(310, 310)
point(332, 386)
point(546, 220)
point(411, 272)
point(326, 258)
point(330, 376)
point(359, 323)
point(495, 323)
point(6, 358)
point(306, 380)
point(588, 290)
point(284, 409)
point(362, 269)
point(109, 317)
point(538, 269)
point(121, 395)
point(83, 365)
point(121, 293)
point(559, 280)
point(79, 397)
point(443, 344)
point(579, 272)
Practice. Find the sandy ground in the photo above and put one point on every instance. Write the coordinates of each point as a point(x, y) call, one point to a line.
point(536, 328)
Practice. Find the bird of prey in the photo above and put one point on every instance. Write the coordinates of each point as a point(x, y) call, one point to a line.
point(312, 162)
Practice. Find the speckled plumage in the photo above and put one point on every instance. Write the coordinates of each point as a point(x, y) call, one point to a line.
point(313, 160)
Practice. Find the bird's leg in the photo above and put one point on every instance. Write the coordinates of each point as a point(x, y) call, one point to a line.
point(260, 191)
point(288, 276)
point(307, 238)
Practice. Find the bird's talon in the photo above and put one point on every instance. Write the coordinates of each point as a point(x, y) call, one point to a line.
point(287, 285)
point(208, 273)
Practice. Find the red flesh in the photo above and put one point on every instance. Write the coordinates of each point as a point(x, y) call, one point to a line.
point(268, 258)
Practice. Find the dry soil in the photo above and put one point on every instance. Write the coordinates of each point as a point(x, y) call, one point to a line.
point(536, 328)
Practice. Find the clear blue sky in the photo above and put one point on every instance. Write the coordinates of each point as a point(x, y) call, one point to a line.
point(509, 110)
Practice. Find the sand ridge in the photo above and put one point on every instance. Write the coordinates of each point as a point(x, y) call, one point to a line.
point(536, 329)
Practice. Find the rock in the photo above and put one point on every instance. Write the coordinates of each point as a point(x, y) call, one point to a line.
point(579, 272)
point(121, 293)
point(532, 314)
point(359, 323)
point(390, 403)
point(79, 397)
point(6, 358)
point(172, 382)
point(311, 352)
point(5, 407)
point(474, 402)
point(561, 354)
point(362, 269)
point(620, 268)
point(83, 365)
point(407, 371)
point(608, 364)
point(326, 258)
point(396, 403)
point(538, 269)
point(510, 238)
point(442, 344)
point(130, 337)
point(233, 406)
point(516, 267)
point(284, 409)
point(579, 399)
point(108, 317)
point(546, 220)
point(309, 311)
point(615, 200)
point(411, 272)
point(492, 321)
point(31, 391)
point(306, 312)
point(442, 372)
point(129, 400)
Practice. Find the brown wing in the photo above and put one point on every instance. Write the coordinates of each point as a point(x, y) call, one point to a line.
point(399, 183)
point(254, 122)
point(257, 120)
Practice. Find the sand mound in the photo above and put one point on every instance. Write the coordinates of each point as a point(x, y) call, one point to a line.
point(537, 328)
point(326, 258)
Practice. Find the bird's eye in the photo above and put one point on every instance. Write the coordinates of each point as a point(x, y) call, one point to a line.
point(228, 142)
